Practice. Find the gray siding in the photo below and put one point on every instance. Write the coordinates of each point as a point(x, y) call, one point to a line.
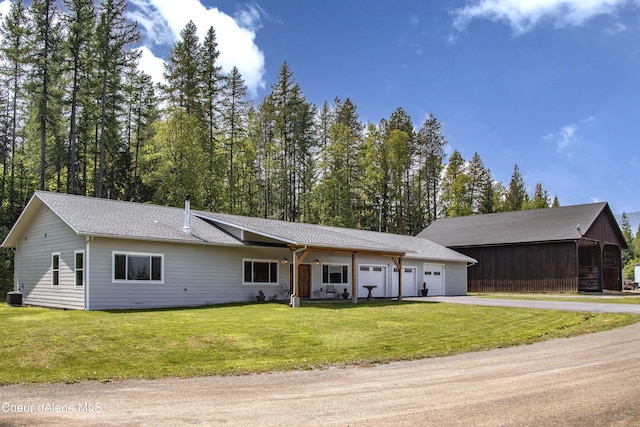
point(193, 275)
point(45, 235)
point(455, 278)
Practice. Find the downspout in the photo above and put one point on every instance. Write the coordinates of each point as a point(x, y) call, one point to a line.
point(16, 282)
point(87, 274)
point(294, 294)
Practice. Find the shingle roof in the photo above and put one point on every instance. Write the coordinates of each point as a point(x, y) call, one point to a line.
point(110, 218)
point(91, 216)
point(339, 237)
point(538, 225)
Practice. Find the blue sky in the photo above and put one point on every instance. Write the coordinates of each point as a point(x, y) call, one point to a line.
point(550, 85)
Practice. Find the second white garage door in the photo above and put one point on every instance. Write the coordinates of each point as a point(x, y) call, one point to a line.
point(408, 282)
point(434, 278)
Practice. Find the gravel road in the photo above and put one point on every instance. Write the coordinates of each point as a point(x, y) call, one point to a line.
point(591, 380)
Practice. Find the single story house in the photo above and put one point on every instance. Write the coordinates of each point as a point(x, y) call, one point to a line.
point(85, 253)
point(563, 249)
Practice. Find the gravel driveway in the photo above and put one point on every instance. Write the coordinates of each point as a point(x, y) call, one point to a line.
point(591, 380)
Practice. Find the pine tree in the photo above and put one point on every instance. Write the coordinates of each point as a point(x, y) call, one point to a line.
point(234, 124)
point(455, 194)
point(516, 194)
point(45, 44)
point(487, 195)
point(212, 85)
point(113, 34)
point(80, 22)
point(15, 34)
point(430, 144)
point(540, 198)
point(477, 179)
point(627, 254)
point(183, 72)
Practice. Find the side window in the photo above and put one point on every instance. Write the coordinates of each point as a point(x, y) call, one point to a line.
point(137, 267)
point(258, 271)
point(79, 269)
point(55, 269)
point(335, 273)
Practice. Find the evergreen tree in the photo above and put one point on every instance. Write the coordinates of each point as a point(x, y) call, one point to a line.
point(516, 194)
point(44, 58)
point(540, 198)
point(487, 195)
point(234, 124)
point(455, 194)
point(15, 34)
point(80, 22)
point(627, 254)
point(430, 144)
point(113, 34)
point(477, 178)
point(183, 71)
point(214, 112)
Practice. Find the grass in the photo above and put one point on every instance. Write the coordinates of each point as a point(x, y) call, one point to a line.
point(42, 345)
point(596, 298)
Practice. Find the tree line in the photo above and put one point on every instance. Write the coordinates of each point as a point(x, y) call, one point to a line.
point(77, 116)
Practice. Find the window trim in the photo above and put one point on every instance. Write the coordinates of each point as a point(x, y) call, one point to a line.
point(75, 269)
point(345, 279)
point(55, 271)
point(139, 254)
point(266, 261)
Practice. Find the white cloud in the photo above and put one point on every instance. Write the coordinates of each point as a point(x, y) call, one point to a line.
point(523, 15)
point(163, 20)
point(151, 64)
point(5, 5)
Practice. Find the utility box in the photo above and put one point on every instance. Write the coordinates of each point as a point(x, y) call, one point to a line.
point(14, 299)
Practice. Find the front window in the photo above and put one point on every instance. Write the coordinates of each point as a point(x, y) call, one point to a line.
point(55, 269)
point(256, 271)
point(335, 273)
point(79, 269)
point(134, 267)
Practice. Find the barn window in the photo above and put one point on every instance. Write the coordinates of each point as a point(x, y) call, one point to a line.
point(259, 271)
point(335, 273)
point(138, 267)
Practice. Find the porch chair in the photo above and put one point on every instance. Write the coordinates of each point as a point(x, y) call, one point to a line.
point(331, 289)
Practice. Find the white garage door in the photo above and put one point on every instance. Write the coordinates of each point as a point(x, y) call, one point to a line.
point(372, 275)
point(408, 282)
point(434, 278)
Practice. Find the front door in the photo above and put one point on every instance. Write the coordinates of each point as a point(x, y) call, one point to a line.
point(304, 280)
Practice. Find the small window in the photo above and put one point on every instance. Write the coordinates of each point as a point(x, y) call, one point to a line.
point(362, 268)
point(408, 270)
point(427, 273)
point(335, 273)
point(377, 268)
point(395, 269)
point(436, 273)
point(260, 271)
point(79, 269)
point(134, 267)
point(55, 269)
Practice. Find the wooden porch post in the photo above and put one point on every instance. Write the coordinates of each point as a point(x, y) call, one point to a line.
point(297, 260)
point(398, 262)
point(354, 279)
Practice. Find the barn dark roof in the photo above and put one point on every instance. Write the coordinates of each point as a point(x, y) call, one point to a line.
point(528, 226)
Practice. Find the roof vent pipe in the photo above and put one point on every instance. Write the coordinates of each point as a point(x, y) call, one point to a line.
point(187, 215)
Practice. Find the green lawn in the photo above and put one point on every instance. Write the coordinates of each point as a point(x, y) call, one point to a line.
point(596, 298)
point(41, 345)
